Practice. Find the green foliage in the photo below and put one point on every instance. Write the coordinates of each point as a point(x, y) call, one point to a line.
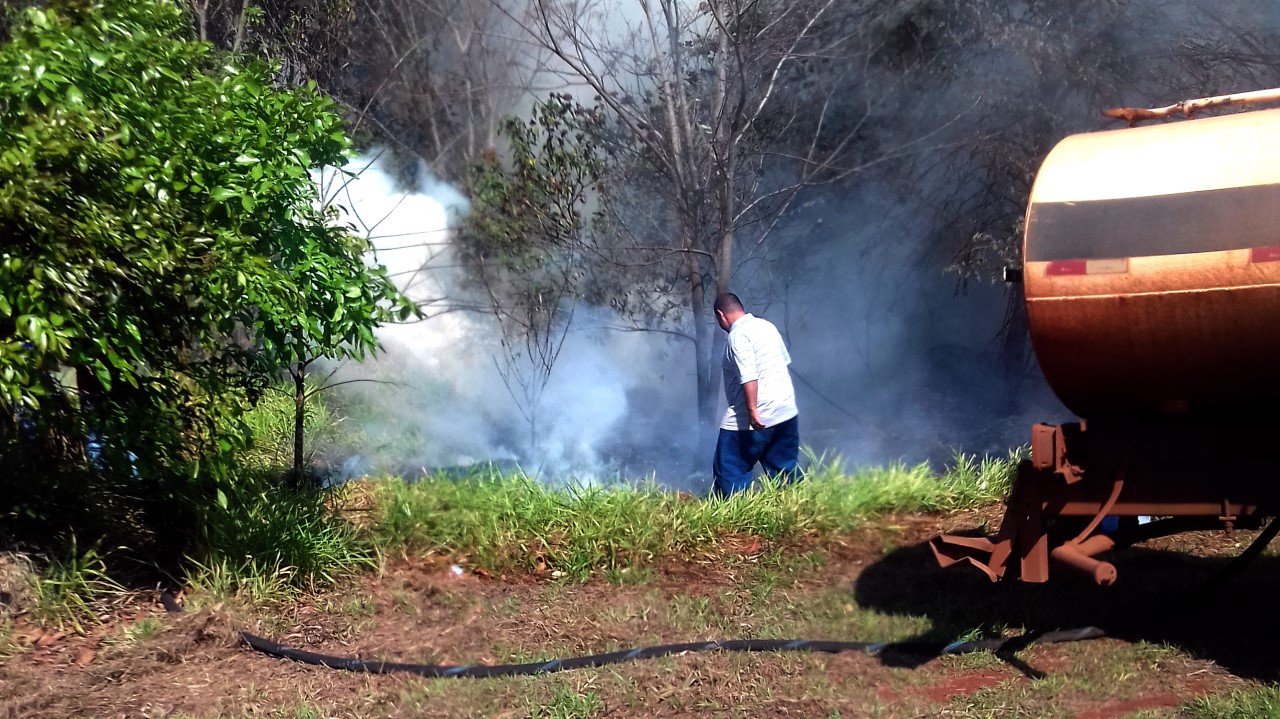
point(533, 204)
point(155, 202)
point(513, 522)
point(159, 202)
point(164, 253)
point(133, 633)
point(522, 239)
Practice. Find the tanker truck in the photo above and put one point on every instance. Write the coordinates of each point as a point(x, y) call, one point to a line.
point(1151, 275)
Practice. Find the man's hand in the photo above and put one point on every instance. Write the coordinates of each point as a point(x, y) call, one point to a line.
point(755, 420)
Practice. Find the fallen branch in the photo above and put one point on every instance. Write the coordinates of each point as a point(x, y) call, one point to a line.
point(1188, 108)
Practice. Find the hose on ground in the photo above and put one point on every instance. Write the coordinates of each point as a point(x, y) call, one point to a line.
point(1000, 647)
point(374, 666)
point(1252, 552)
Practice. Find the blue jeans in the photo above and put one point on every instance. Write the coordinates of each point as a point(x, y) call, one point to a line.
point(776, 448)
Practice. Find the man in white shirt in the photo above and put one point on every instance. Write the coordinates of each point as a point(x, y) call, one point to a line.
point(761, 424)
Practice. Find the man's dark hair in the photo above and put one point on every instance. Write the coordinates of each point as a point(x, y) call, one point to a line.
point(728, 302)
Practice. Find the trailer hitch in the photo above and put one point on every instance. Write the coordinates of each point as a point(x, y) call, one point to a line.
point(1078, 474)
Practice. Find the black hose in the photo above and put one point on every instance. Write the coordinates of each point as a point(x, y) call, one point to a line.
point(373, 666)
point(1240, 561)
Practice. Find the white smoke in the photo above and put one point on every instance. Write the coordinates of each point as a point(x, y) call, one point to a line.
point(435, 397)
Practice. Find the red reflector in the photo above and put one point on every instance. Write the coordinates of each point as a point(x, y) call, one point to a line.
point(1066, 267)
point(1088, 267)
point(1265, 254)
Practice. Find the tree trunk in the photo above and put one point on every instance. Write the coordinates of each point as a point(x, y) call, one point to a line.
point(89, 392)
point(299, 419)
point(703, 343)
point(725, 194)
point(1014, 349)
point(724, 244)
point(201, 11)
point(241, 23)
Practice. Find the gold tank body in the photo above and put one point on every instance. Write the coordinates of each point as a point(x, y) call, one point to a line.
point(1151, 266)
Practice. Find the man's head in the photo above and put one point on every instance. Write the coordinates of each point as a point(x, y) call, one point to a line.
point(728, 309)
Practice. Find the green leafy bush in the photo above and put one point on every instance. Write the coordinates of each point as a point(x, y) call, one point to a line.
point(164, 258)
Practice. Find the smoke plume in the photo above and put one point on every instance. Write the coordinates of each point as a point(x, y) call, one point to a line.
point(436, 396)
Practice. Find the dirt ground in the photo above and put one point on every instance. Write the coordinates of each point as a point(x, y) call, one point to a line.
point(1163, 646)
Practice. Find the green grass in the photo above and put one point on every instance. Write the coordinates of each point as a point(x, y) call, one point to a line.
point(1254, 703)
point(143, 629)
point(850, 499)
point(272, 543)
point(1013, 698)
point(258, 582)
point(628, 576)
point(69, 587)
point(8, 645)
point(271, 424)
point(566, 703)
point(269, 549)
point(267, 542)
point(134, 633)
point(513, 522)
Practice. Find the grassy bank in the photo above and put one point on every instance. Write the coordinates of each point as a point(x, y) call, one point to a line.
point(507, 522)
point(513, 523)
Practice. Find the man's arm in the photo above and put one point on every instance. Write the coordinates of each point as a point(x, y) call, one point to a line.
point(749, 389)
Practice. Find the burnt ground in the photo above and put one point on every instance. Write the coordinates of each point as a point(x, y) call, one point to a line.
point(1163, 649)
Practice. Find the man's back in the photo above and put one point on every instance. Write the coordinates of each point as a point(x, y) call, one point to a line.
point(755, 351)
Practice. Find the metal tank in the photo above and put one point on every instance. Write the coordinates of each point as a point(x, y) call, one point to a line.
point(1152, 268)
point(1151, 271)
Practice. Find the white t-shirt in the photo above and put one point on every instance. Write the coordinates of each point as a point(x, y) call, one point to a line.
point(755, 351)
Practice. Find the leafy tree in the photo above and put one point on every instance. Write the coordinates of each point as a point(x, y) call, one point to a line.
point(163, 251)
point(525, 241)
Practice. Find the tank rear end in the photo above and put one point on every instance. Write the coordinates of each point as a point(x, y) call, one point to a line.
point(1151, 271)
point(1152, 268)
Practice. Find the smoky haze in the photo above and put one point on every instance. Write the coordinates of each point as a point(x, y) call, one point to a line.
point(903, 346)
point(891, 361)
point(436, 398)
point(894, 359)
